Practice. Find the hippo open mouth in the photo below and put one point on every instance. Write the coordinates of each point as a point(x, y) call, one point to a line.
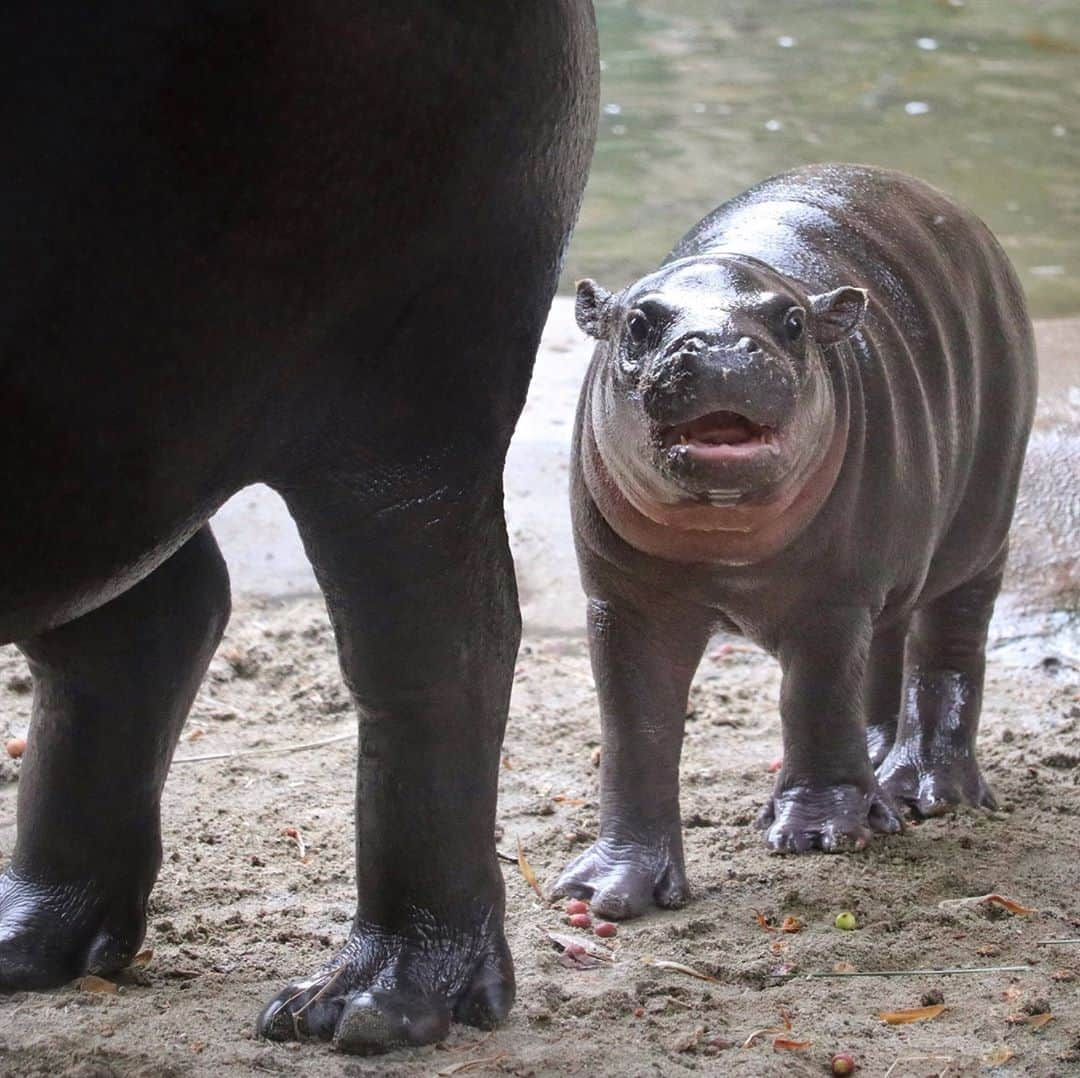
point(717, 434)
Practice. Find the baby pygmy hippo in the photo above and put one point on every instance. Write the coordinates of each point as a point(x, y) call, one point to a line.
point(807, 427)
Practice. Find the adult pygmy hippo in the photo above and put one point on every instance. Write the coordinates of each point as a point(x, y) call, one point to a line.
point(312, 246)
point(807, 426)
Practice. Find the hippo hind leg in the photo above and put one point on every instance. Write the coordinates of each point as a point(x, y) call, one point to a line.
point(932, 767)
point(882, 689)
point(111, 692)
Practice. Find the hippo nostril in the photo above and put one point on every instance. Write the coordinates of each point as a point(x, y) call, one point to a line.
point(748, 345)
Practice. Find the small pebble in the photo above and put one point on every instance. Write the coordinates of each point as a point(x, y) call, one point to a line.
point(605, 929)
point(580, 920)
point(16, 747)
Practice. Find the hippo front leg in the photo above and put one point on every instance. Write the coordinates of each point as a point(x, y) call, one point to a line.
point(111, 692)
point(644, 655)
point(422, 600)
point(826, 795)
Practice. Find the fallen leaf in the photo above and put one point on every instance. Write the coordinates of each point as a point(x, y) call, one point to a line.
point(468, 1065)
point(791, 924)
point(1008, 904)
point(911, 1014)
point(1037, 1021)
point(92, 983)
point(763, 921)
point(676, 967)
point(992, 899)
point(766, 1030)
point(579, 953)
point(143, 957)
point(844, 967)
point(527, 872)
point(1001, 1054)
point(786, 1044)
point(294, 834)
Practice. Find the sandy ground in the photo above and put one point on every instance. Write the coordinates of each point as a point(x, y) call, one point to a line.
point(238, 910)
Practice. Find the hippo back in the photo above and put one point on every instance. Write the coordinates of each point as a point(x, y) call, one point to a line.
point(940, 378)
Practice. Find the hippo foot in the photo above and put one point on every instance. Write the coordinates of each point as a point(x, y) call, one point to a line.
point(52, 933)
point(930, 784)
point(388, 990)
point(835, 819)
point(624, 879)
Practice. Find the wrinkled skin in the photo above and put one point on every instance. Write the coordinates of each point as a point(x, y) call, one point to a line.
point(806, 427)
point(243, 245)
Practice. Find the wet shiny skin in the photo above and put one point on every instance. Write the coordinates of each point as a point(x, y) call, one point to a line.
point(877, 329)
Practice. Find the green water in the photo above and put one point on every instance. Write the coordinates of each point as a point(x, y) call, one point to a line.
point(701, 98)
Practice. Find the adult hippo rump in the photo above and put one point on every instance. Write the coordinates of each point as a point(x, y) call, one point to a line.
point(312, 246)
point(807, 426)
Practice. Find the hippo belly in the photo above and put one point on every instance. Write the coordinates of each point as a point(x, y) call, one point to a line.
point(245, 243)
point(808, 423)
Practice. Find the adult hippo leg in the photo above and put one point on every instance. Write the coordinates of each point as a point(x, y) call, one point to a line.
point(644, 654)
point(111, 692)
point(882, 687)
point(932, 766)
point(826, 796)
point(421, 595)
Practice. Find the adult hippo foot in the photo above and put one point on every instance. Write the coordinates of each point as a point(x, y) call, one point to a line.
point(387, 990)
point(52, 933)
point(623, 879)
point(835, 819)
point(930, 783)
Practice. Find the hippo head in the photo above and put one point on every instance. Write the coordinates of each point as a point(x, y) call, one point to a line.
point(711, 385)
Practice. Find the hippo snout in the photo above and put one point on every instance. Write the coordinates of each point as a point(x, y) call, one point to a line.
point(696, 377)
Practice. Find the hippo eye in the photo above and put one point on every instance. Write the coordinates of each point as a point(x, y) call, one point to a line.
point(637, 326)
point(794, 324)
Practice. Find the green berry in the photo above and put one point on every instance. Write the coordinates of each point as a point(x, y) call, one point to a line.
point(845, 921)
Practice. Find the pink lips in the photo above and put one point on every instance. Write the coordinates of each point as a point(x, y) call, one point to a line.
point(718, 436)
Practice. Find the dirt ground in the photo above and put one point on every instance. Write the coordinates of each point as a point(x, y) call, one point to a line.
point(238, 911)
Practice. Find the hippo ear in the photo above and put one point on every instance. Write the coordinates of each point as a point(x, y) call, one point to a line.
point(589, 307)
point(837, 313)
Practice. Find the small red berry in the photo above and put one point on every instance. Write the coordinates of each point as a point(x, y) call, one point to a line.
point(605, 929)
point(576, 905)
point(580, 920)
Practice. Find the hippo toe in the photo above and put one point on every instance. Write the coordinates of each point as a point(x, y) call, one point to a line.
point(389, 990)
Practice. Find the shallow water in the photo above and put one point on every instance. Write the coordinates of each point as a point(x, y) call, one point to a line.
point(702, 98)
